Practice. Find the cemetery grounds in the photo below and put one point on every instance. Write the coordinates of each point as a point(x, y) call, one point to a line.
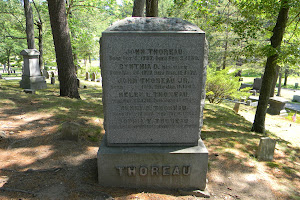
point(35, 163)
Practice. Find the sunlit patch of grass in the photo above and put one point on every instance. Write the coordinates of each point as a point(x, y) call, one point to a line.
point(272, 164)
point(290, 115)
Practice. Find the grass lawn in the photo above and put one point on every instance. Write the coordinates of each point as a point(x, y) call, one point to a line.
point(30, 142)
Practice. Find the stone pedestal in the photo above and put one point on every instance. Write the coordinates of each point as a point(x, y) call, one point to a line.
point(32, 77)
point(153, 167)
point(154, 72)
point(277, 106)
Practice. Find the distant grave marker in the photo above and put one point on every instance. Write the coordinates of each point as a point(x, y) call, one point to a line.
point(32, 77)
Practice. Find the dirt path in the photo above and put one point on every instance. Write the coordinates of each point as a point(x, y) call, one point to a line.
point(36, 164)
point(278, 125)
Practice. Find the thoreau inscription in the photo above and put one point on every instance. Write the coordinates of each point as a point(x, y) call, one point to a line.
point(152, 87)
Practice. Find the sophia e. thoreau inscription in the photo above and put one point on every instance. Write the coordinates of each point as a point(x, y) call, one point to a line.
point(152, 87)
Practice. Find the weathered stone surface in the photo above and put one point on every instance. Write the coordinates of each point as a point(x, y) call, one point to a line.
point(266, 149)
point(153, 24)
point(70, 131)
point(153, 167)
point(153, 82)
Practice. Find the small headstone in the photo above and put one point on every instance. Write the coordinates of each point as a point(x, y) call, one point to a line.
point(257, 83)
point(296, 85)
point(46, 73)
point(0, 76)
point(52, 74)
point(70, 131)
point(84, 87)
point(251, 103)
point(93, 76)
point(243, 85)
point(266, 149)
point(52, 80)
point(296, 98)
point(87, 75)
point(236, 107)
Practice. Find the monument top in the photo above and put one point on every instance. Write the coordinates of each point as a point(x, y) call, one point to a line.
point(30, 52)
point(153, 24)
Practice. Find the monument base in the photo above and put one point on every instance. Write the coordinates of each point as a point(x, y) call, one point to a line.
point(153, 167)
point(33, 82)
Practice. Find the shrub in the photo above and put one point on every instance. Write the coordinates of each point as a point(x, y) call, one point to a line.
point(221, 85)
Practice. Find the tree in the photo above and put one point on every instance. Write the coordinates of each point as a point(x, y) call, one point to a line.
point(151, 8)
point(64, 58)
point(29, 25)
point(39, 24)
point(138, 8)
point(270, 69)
point(12, 31)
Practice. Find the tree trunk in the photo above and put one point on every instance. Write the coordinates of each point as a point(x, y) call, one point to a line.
point(277, 68)
point(29, 25)
point(41, 57)
point(286, 74)
point(151, 8)
point(138, 8)
point(63, 50)
point(225, 53)
point(8, 61)
point(279, 84)
point(270, 69)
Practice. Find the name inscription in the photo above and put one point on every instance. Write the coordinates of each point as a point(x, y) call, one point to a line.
point(154, 170)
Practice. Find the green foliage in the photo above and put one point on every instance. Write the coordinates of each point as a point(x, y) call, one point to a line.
point(221, 84)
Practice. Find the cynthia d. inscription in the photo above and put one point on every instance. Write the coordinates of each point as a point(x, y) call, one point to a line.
point(154, 170)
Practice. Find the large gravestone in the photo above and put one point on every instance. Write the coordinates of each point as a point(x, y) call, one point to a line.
point(32, 77)
point(154, 72)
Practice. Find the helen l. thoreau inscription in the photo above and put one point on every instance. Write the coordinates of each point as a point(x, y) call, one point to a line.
point(154, 74)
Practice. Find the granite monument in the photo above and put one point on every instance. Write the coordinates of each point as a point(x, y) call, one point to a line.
point(32, 77)
point(153, 76)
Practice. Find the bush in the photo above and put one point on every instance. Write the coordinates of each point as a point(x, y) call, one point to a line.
point(221, 85)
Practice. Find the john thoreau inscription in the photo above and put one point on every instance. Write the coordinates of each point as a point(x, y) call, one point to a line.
point(151, 83)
